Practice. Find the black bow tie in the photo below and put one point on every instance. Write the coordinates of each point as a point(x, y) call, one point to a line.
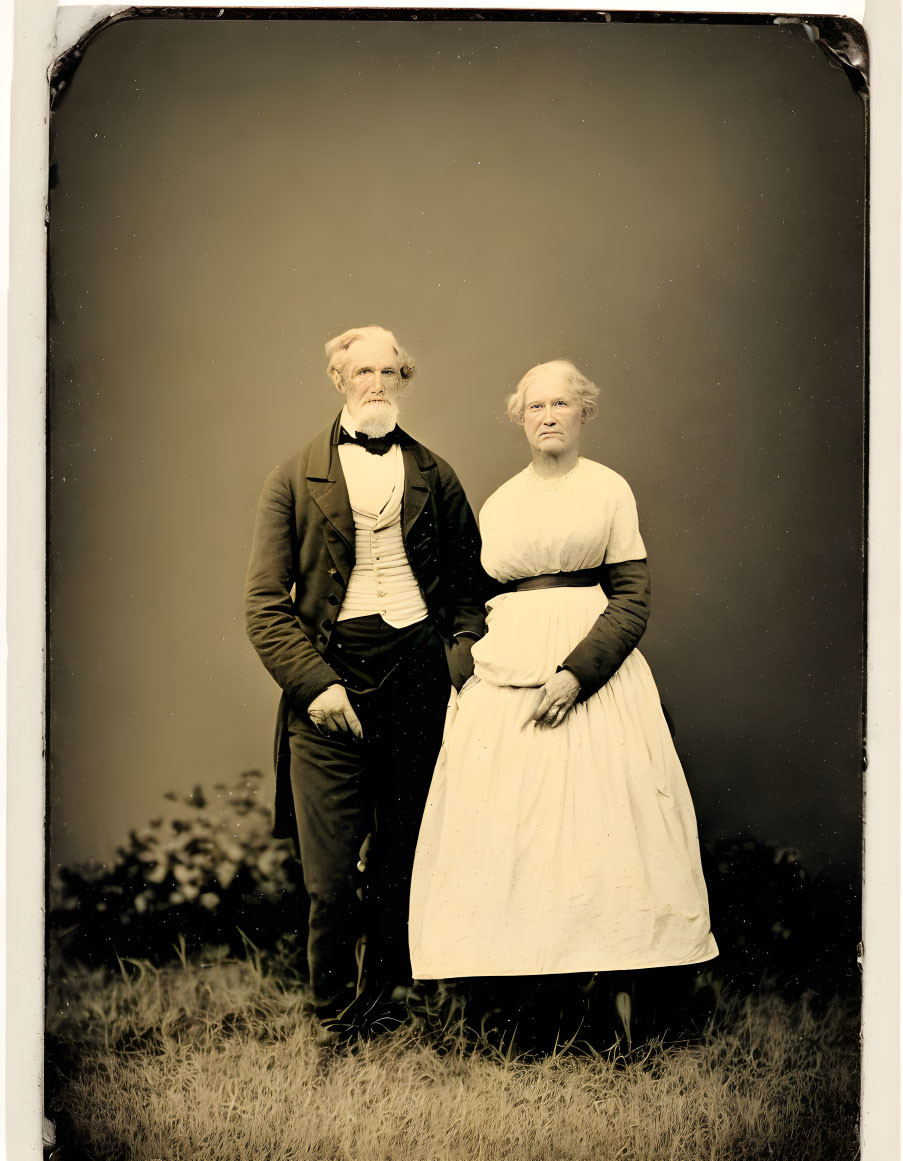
point(378, 444)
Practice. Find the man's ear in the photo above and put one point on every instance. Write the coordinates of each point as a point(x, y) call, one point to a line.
point(336, 376)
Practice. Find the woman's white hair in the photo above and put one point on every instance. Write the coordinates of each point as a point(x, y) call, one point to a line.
point(584, 391)
point(337, 352)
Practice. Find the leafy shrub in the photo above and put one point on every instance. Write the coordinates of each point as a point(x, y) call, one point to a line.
point(212, 874)
point(778, 925)
point(205, 875)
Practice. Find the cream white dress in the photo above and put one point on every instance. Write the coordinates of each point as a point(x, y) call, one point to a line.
point(566, 849)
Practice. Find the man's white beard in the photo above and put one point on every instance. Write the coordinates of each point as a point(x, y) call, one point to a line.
point(376, 418)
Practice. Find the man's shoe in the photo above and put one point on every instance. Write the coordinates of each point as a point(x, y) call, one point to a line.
point(326, 1036)
point(375, 1012)
point(334, 1009)
point(335, 1035)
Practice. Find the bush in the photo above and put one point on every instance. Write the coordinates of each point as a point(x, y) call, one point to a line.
point(209, 874)
point(212, 874)
point(777, 925)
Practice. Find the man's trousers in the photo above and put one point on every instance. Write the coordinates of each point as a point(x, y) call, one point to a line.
point(345, 789)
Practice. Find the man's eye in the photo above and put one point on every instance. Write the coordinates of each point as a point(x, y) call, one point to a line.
point(388, 370)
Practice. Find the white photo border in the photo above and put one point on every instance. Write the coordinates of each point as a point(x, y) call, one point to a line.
point(34, 33)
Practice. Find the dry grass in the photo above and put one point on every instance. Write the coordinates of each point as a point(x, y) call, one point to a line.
point(219, 1063)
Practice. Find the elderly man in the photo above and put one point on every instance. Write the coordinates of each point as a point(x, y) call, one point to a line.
point(364, 567)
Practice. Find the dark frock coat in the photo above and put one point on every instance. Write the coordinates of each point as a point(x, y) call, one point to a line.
point(301, 561)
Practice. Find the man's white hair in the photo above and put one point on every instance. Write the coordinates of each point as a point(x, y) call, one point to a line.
point(584, 391)
point(337, 352)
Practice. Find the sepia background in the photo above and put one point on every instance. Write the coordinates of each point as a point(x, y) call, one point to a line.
point(679, 208)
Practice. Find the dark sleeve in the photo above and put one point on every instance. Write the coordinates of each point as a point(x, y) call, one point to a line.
point(270, 619)
point(467, 587)
point(617, 631)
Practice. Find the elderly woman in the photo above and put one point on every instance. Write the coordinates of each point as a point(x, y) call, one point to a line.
point(559, 834)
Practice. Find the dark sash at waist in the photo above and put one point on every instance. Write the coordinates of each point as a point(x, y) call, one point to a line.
point(582, 578)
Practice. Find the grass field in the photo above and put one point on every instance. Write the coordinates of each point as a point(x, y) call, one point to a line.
point(217, 1060)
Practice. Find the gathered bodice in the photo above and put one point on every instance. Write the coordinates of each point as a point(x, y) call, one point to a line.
point(531, 526)
point(586, 518)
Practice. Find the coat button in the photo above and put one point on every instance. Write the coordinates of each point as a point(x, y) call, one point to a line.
point(326, 624)
point(333, 599)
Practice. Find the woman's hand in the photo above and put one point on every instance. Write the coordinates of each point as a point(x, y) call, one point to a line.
point(558, 696)
point(331, 712)
point(460, 662)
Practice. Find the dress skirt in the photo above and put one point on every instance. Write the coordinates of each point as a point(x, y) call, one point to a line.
point(551, 850)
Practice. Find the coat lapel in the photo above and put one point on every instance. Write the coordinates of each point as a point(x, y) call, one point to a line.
point(416, 484)
point(328, 490)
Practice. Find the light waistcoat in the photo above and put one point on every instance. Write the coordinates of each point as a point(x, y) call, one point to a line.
point(382, 580)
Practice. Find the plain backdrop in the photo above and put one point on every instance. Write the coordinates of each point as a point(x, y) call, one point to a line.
point(679, 208)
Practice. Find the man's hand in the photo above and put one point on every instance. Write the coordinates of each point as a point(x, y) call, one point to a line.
point(331, 712)
point(460, 661)
point(558, 696)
